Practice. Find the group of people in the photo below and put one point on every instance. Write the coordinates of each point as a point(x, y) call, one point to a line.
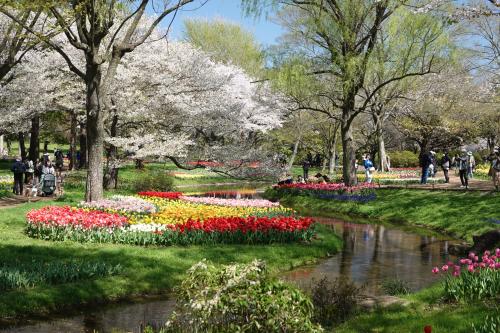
point(27, 173)
point(464, 163)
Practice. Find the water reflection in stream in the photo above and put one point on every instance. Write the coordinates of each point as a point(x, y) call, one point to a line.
point(373, 253)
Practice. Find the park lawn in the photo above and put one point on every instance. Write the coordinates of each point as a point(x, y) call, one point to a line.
point(425, 308)
point(459, 214)
point(148, 270)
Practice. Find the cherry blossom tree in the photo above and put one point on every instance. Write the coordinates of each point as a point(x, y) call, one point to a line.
point(104, 31)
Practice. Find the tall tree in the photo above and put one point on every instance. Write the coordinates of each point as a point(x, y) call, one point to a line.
point(104, 31)
point(339, 37)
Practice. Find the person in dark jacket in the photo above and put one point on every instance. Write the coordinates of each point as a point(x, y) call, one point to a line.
point(462, 169)
point(425, 162)
point(445, 164)
point(305, 167)
point(18, 169)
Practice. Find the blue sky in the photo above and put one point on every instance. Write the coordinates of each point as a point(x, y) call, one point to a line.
point(264, 30)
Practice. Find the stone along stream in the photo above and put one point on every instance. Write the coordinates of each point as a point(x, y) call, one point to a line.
point(371, 254)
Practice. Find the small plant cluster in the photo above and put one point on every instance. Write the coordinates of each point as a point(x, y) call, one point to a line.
point(132, 220)
point(239, 298)
point(22, 276)
point(472, 278)
point(335, 301)
point(396, 287)
point(153, 181)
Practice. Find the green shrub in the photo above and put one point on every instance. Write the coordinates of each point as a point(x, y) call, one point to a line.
point(153, 181)
point(239, 298)
point(395, 287)
point(335, 300)
point(480, 285)
point(20, 276)
point(404, 159)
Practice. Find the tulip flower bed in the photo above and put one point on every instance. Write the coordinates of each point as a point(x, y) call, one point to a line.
point(231, 202)
point(164, 195)
point(204, 221)
point(472, 278)
point(332, 191)
point(122, 204)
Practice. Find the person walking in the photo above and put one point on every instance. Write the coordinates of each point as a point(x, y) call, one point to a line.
point(445, 164)
point(471, 165)
point(30, 169)
point(18, 169)
point(369, 168)
point(462, 169)
point(305, 168)
point(495, 170)
point(425, 162)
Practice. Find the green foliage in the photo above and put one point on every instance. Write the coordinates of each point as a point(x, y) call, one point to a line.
point(226, 42)
point(395, 287)
point(480, 285)
point(404, 159)
point(490, 325)
point(29, 275)
point(239, 298)
point(153, 181)
point(335, 300)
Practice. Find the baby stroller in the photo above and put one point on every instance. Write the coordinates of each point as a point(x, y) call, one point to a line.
point(48, 184)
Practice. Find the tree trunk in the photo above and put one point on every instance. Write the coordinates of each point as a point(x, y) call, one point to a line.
point(72, 141)
point(95, 133)
point(22, 146)
point(491, 144)
point(349, 154)
point(294, 155)
point(1, 146)
point(34, 151)
point(333, 154)
point(379, 133)
point(83, 149)
point(139, 164)
point(111, 171)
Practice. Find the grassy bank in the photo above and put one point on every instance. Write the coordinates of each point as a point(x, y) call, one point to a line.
point(426, 308)
point(145, 270)
point(460, 214)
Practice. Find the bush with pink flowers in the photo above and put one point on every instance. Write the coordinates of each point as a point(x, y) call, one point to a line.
point(472, 278)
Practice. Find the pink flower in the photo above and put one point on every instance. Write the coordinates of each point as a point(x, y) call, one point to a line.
point(444, 268)
point(497, 265)
point(497, 252)
point(476, 258)
point(435, 270)
point(482, 265)
point(456, 268)
point(470, 268)
point(456, 273)
point(487, 253)
point(464, 261)
point(472, 255)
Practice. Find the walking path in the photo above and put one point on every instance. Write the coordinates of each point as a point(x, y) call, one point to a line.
point(15, 200)
point(454, 185)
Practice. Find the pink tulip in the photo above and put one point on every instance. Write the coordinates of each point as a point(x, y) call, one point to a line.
point(497, 252)
point(444, 268)
point(435, 270)
point(497, 265)
point(456, 268)
point(492, 266)
point(464, 261)
point(472, 255)
point(456, 273)
point(476, 258)
point(487, 253)
point(482, 265)
point(470, 268)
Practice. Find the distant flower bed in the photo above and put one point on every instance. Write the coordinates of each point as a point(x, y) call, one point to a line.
point(6, 182)
point(185, 175)
point(164, 195)
point(231, 202)
point(166, 218)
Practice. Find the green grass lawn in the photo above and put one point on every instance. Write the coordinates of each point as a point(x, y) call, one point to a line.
point(145, 270)
point(460, 214)
point(426, 308)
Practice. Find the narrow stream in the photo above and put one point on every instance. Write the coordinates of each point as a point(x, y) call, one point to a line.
point(371, 254)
